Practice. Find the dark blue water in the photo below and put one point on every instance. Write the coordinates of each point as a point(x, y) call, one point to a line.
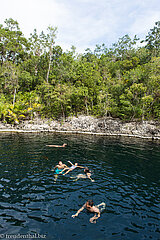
point(127, 179)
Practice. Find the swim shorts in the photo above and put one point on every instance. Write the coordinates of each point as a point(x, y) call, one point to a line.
point(57, 171)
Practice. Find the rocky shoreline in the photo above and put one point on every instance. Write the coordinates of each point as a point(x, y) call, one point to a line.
point(88, 125)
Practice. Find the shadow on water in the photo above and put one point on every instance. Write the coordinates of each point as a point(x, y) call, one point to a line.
point(126, 173)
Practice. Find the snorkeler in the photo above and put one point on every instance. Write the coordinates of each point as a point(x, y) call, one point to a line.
point(86, 175)
point(59, 167)
point(58, 146)
point(91, 208)
point(69, 169)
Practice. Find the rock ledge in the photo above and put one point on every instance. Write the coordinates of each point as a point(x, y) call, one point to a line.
point(88, 125)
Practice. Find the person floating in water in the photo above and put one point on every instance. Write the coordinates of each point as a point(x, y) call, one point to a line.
point(93, 209)
point(58, 146)
point(86, 175)
point(69, 169)
point(59, 167)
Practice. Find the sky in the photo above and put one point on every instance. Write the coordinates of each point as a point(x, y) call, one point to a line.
point(84, 23)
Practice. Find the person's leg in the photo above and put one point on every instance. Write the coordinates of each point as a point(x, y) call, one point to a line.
point(55, 177)
point(101, 206)
point(75, 179)
point(67, 172)
point(65, 169)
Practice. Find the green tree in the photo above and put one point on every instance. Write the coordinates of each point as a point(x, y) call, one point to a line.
point(3, 107)
point(153, 86)
point(48, 42)
point(10, 73)
point(124, 48)
point(79, 100)
point(13, 45)
point(153, 40)
point(131, 101)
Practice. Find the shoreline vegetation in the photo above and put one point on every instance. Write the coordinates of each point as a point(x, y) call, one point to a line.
point(113, 91)
point(88, 125)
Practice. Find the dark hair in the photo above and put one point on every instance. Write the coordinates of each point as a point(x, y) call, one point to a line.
point(86, 170)
point(90, 202)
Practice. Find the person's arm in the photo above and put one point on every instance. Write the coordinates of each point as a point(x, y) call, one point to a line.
point(70, 163)
point(91, 179)
point(95, 217)
point(54, 168)
point(65, 166)
point(80, 210)
point(80, 167)
point(89, 176)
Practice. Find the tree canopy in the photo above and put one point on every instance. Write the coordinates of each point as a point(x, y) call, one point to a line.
point(38, 78)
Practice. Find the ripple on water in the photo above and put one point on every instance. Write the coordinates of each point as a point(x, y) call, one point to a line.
point(126, 179)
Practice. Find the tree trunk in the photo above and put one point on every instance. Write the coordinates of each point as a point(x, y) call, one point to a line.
point(49, 66)
point(63, 114)
point(86, 105)
point(14, 96)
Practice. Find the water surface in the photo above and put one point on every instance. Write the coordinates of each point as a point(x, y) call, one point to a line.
point(126, 174)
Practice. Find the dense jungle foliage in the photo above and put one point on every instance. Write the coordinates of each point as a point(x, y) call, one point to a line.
point(37, 78)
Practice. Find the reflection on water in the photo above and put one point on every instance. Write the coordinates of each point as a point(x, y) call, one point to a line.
point(126, 173)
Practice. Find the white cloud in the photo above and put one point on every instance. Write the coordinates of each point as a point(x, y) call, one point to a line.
point(144, 22)
point(33, 13)
point(88, 24)
point(84, 23)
